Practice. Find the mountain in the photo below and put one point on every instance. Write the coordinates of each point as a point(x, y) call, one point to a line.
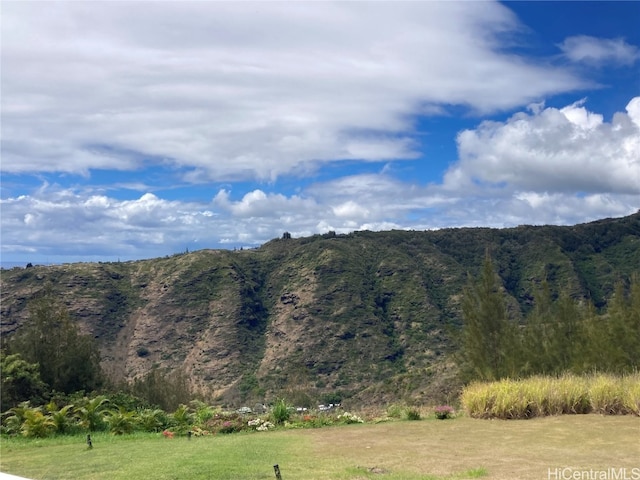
point(367, 316)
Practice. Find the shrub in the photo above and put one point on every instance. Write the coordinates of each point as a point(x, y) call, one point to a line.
point(121, 421)
point(142, 352)
point(260, 425)
point(199, 432)
point(631, 398)
point(226, 423)
point(61, 418)
point(394, 411)
point(14, 418)
point(607, 395)
point(92, 412)
point(152, 420)
point(443, 412)
point(347, 417)
point(281, 412)
point(37, 424)
point(181, 419)
point(540, 396)
point(413, 414)
point(203, 412)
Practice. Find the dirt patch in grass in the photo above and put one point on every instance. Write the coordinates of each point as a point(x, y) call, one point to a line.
point(515, 449)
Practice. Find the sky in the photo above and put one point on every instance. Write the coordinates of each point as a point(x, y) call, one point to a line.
point(143, 129)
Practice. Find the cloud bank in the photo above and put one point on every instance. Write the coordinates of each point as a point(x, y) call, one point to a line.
point(232, 92)
point(244, 90)
point(546, 166)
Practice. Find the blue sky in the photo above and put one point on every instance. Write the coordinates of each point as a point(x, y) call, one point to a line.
point(142, 129)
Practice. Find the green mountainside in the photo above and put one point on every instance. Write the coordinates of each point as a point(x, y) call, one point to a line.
point(367, 316)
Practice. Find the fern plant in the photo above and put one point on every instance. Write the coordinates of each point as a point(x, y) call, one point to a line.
point(37, 424)
point(61, 417)
point(92, 413)
point(121, 421)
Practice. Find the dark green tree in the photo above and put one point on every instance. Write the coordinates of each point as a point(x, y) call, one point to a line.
point(633, 323)
point(620, 327)
point(566, 338)
point(67, 360)
point(538, 333)
point(489, 342)
point(20, 382)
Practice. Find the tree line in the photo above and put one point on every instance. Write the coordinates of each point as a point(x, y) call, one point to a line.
point(560, 334)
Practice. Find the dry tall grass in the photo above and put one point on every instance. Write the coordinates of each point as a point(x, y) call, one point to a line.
point(541, 396)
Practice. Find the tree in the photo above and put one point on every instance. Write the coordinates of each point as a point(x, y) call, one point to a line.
point(566, 345)
point(622, 328)
point(489, 339)
point(166, 390)
point(67, 360)
point(538, 333)
point(20, 382)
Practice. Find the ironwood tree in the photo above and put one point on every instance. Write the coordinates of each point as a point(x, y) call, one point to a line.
point(68, 361)
point(489, 346)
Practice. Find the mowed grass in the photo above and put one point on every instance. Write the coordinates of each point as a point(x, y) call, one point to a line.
point(400, 450)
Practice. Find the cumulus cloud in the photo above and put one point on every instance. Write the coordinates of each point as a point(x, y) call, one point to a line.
point(599, 51)
point(218, 92)
point(552, 150)
point(37, 227)
point(64, 222)
point(545, 166)
point(246, 90)
point(259, 204)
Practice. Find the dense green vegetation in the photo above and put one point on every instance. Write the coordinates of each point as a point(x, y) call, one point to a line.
point(68, 360)
point(368, 317)
point(122, 414)
point(556, 336)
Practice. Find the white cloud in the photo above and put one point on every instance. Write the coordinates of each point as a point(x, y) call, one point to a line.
point(67, 222)
point(599, 51)
point(633, 110)
point(259, 204)
point(53, 224)
point(224, 91)
point(351, 209)
point(549, 166)
point(247, 89)
point(552, 150)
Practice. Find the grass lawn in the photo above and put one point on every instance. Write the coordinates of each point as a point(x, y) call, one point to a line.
point(400, 450)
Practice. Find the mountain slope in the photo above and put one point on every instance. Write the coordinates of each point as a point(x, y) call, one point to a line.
point(366, 314)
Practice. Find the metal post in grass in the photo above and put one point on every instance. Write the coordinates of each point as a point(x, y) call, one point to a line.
point(276, 469)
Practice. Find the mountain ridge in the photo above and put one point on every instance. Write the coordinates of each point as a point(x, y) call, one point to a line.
point(366, 314)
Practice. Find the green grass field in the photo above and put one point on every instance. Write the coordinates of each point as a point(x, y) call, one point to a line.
point(400, 450)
